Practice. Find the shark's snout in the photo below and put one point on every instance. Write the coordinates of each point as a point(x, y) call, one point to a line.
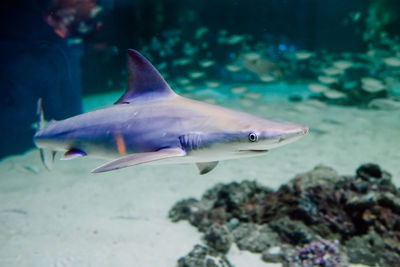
point(275, 134)
point(294, 134)
point(301, 130)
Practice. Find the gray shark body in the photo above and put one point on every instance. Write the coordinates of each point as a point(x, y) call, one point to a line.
point(152, 124)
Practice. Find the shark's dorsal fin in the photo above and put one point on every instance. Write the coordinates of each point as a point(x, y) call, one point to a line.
point(144, 80)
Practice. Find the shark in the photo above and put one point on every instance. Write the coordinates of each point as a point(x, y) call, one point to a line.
point(151, 124)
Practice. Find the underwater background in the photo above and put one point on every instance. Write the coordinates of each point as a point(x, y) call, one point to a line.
point(330, 199)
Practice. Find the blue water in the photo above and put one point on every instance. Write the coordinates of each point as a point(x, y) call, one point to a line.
point(269, 93)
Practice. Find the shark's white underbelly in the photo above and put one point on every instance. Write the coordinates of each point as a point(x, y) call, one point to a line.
point(207, 156)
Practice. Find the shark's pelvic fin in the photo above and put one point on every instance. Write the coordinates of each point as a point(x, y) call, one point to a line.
point(73, 153)
point(53, 155)
point(206, 167)
point(139, 158)
point(144, 80)
point(40, 126)
point(44, 159)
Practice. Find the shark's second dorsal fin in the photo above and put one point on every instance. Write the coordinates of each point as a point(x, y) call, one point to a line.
point(144, 80)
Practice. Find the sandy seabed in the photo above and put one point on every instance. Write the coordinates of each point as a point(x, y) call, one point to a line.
point(70, 217)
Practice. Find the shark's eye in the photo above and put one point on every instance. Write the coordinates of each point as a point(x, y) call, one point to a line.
point(253, 137)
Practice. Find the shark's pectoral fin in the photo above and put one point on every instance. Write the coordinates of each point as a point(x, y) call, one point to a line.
point(73, 153)
point(206, 167)
point(139, 158)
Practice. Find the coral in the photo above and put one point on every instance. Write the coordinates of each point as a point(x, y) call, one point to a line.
point(274, 254)
point(219, 237)
point(362, 212)
point(370, 248)
point(256, 238)
point(292, 232)
point(219, 204)
point(317, 253)
point(372, 172)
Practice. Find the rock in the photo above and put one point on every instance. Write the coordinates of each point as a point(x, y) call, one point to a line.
point(384, 103)
point(231, 200)
point(370, 249)
point(334, 94)
point(392, 62)
point(255, 238)
point(372, 85)
point(233, 223)
point(391, 201)
point(196, 212)
point(273, 254)
point(332, 71)
point(361, 211)
point(343, 64)
point(267, 78)
point(234, 68)
point(328, 80)
point(292, 232)
point(303, 55)
point(354, 79)
point(202, 256)
point(321, 175)
point(361, 202)
point(234, 193)
point(369, 171)
point(252, 56)
point(219, 204)
point(219, 238)
point(183, 209)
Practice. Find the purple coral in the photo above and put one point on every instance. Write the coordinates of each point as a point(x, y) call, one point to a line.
point(317, 253)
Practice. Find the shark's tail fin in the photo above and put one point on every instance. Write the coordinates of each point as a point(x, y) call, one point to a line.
point(40, 126)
